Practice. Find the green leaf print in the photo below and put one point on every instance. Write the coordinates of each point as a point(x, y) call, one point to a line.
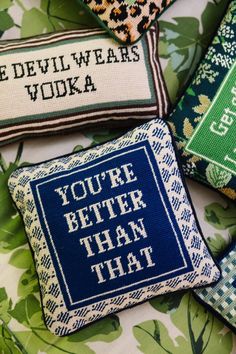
point(105, 330)
point(63, 15)
point(183, 43)
point(217, 244)
point(167, 303)
point(10, 221)
point(199, 332)
point(232, 232)
point(99, 137)
point(221, 217)
point(203, 332)
point(42, 341)
point(5, 306)
point(8, 343)
point(150, 335)
point(172, 81)
point(21, 258)
point(211, 17)
point(6, 22)
point(183, 48)
point(35, 22)
point(53, 16)
point(5, 4)
point(28, 282)
point(27, 311)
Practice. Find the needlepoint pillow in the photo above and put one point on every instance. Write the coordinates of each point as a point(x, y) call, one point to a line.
point(204, 121)
point(126, 20)
point(109, 227)
point(57, 82)
point(221, 298)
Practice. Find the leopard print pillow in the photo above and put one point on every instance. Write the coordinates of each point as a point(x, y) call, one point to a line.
point(127, 20)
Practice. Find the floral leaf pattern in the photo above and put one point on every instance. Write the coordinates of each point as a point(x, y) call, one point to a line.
point(216, 176)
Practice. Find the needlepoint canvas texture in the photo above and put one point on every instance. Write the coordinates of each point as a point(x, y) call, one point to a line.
point(109, 227)
point(65, 80)
point(126, 20)
point(204, 121)
point(222, 296)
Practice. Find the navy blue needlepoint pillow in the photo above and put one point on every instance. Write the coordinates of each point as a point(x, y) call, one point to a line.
point(110, 227)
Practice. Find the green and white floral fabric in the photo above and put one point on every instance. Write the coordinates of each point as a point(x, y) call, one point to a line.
point(173, 324)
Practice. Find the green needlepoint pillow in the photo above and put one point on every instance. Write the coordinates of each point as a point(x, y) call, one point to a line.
point(221, 297)
point(66, 80)
point(110, 227)
point(126, 20)
point(204, 122)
